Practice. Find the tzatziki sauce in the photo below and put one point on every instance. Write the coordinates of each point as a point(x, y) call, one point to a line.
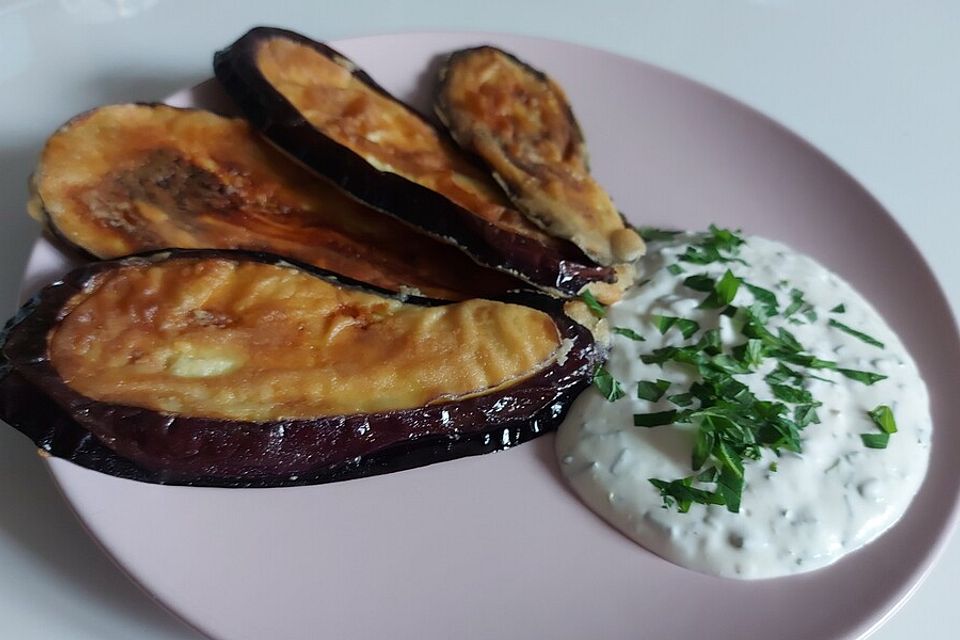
point(798, 511)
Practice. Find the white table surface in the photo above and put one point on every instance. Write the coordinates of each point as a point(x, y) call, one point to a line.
point(873, 83)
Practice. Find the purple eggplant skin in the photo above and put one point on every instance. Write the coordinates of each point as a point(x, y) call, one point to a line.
point(565, 272)
point(150, 446)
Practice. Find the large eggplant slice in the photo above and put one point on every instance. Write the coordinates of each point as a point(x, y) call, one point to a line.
point(321, 108)
point(232, 368)
point(520, 123)
point(124, 179)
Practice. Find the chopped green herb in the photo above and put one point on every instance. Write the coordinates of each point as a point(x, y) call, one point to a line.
point(806, 414)
point(725, 239)
point(793, 395)
point(789, 341)
point(723, 292)
point(730, 486)
point(652, 390)
point(659, 356)
point(687, 327)
point(799, 305)
point(700, 255)
point(675, 269)
point(655, 419)
point(782, 373)
point(773, 467)
point(866, 377)
point(839, 309)
point(652, 234)
point(856, 334)
point(732, 425)
point(700, 283)
point(709, 342)
point(721, 245)
point(727, 364)
point(875, 440)
point(806, 360)
point(629, 333)
point(753, 353)
point(764, 296)
point(608, 386)
point(796, 302)
point(681, 494)
point(593, 304)
point(882, 416)
point(681, 399)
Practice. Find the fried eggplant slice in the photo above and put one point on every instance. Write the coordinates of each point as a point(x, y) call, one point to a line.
point(129, 178)
point(519, 121)
point(322, 109)
point(231, 368)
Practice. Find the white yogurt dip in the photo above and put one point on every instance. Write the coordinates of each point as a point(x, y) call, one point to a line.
point(798, 512)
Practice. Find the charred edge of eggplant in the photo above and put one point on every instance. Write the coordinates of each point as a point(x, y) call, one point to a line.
point(273, 115)
point(57, 434)
point(35, 401)
point(38, 210)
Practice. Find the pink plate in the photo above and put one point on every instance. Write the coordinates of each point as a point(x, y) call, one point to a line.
point(496, 546)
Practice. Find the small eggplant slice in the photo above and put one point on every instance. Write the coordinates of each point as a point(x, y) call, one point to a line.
point(520, 123)
point(129, 178)
point(322, 109)
point(232, 368)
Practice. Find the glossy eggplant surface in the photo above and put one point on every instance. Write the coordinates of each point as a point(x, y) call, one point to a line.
point(232, 368)
point(519, 121)
point(321, 108)
point(128, 178)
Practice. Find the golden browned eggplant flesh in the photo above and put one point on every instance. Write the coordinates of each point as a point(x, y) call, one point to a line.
point(382, 130)
point(240, 369)
point(124, 179)
point(318, 106)
point(520, 123)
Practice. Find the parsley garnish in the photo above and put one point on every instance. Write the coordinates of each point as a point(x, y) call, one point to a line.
point(765, 297)
point(724, 291)
point(882, 416)
point(856, 334)
point(721, 245)
point(839, 309)
point(675, 269)
point(652, 391)
point(734, 426)
point(681, 494)
point(607, 385)
point(798, 304)
point(681, 399)
point(629, 333)
point(593, 304)
point(866, 377)
point(753, 353)
point(687, 327)
point(700, 283)
point(790, 394)
point(656, 419)
point(875, 440)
